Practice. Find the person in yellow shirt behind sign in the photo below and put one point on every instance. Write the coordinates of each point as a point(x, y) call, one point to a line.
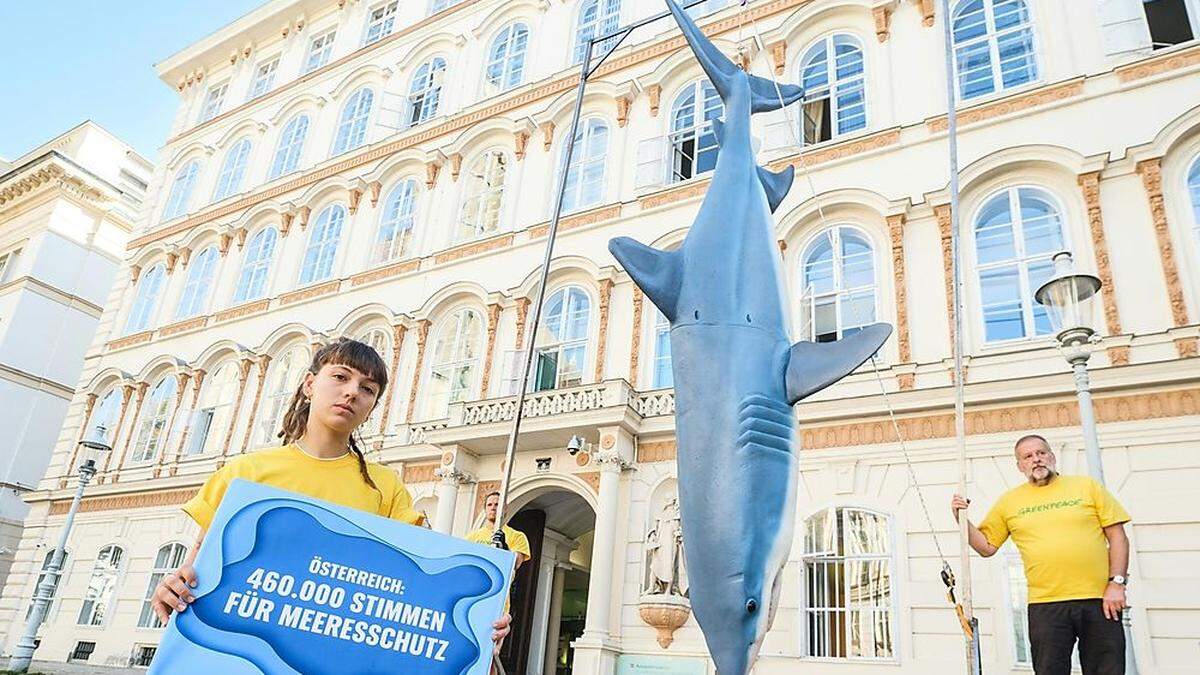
point(1071, 535)
point(517, 541)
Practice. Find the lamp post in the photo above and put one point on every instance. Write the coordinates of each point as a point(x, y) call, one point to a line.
point(94, 445)
point(1067, 298)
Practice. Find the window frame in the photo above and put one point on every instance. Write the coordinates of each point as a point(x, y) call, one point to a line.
point(402, 221)
point(475, 199)
point(113, 394)
point(217, 406)
point(992, 38)
point(354, 126)
point(284, 374)
point(511, 61)
point(233, 169)
point(571, 292)
point(834, 234)
point(417, 107)
point(289, 150)
point(146, 617)
point(606, 21)
point(262, 83)
point(388, 11)
point(41, 576)
point(322, 53)
point(203, 271)
point(660, 326)
point(455, 319)
point(573, 193)
point(260, 274)
point(182, 188)
point(117, 572)
point(835, 86)
point(145, 435)
point(322, 225)
point(144, 305)
point(383, 346)
point(697, 131)
point(214, 101)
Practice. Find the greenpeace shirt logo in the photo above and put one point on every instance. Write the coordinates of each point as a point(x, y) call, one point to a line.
point(1049, 506)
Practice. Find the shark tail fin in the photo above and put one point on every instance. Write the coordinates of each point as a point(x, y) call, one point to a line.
point(776, 184)
point(812, 366)
point(657, 273)
point(765, 97)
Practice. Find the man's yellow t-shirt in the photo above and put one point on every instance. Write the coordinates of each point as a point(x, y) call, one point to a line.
point(517, 541)
point(338, 481)
point(1059, 530)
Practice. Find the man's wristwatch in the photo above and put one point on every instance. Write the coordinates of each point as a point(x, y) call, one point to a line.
point(1119, 579)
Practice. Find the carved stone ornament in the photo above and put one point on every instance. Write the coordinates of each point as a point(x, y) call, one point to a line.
point(665, 614)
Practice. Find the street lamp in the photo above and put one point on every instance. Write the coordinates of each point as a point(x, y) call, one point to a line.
point(1067, 298)
point(94, 445)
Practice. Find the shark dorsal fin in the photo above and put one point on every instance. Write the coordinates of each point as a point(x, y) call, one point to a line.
point(718, 128)
point(720, 70)
point(776, 184)
point(812, 366)
point(656, 272)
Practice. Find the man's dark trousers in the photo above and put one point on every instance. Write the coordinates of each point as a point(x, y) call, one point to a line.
point(1054, 627)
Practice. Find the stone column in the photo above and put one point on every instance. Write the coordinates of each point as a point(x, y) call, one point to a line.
point(422, 334)
point(635, 349)
point(553, 620)
point(895, 225)
point(596, 624)
point(243, 375)
point(181, 380)
point(447, 497)
point(137, 411)
point(1118, 355)
point(263, 362)
point(488, 353)
point(393, 376)
point(1151, 172)
point(68, 470)
point(602, 336)
point(541, 614)
point(197, 384)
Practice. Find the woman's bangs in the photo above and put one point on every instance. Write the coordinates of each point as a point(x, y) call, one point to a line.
point(361, 357)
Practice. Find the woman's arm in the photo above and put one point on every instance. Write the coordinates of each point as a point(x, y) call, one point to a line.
point(174, 591)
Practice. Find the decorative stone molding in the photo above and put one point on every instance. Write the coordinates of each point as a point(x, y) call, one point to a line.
point(131, 340)
point(431, 173)
point(172, 260)
point(592, 478)
point(493, 313)
point(456, 161)
point(606, 286)
point(88, 405)
point(422, 334)
point(140, 500)
point(1186, 347)
point(452, 476)
point(811, 158)
point(779, 56)
point(243, 375)
point(520, 142)
point(906, 381)
point(1089, 183)
point(126, 392)
point(578, 220)
point(375, 187)
point(654, 94)
point(665, 614)
point(420, 473)
point(355, 199)
point(135, 272)
point(302, 215)
point(197, 385)
point(635, 349)
point(223, 243)
point(659, 451)
point(194, 323)
point(1150, 67)
point(1151, 172)
point(393, 270)
point(1008, 106)
point(467, 250)
point(689, 190)
point(243, 310)
point(623, 103)
point(137, 412)
point(895, 225)
point(610, 461)
point(264, 362)
point(547, 135)
point(398, 332)
point(883, 20)
point(285, 223)
point(522, 315)
point(942, 212)
point(327, 288)
point(927, 12)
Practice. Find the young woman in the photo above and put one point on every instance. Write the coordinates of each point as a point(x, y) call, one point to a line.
point(319, 457)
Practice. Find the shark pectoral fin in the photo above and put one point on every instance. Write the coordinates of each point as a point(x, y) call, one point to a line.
point(776, 184)
point(718, 128)
point(812, 366)
point(657, 273)
point(764, 97)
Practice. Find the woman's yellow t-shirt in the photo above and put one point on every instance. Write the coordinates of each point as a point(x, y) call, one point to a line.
point(338, 481)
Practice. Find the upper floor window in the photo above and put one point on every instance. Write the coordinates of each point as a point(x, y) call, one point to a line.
point(323, 245)
point(596, 17)
point(145, 301)
point(456, 355)
point(352, 124)
point(181, 190)
point(1171, 22)
point(101, 586)
point(282, 381)
point(1016, 233)
point(319, 50)
point(506, 59)
point(168, 559)
point(151, 432)
point(993, 46)
point(213, 101)
point(707, 7)
point(484, 187)
point(663, 375)
point(838, 289)
point(252, 281)
point(233, 169)
point(264, 78)
point(585, 179)
point(1193, 186)
point(214, 410)
point(847, 585)
point(693, 143)
point(198, 286)
point(394, 239)
point(379, 340)
point(380, 22)
point(832, 75)
point(105, 416)
point(438, 5)
point(562, 340)
point(291, 145)
point(426, 91)
point(49, 557)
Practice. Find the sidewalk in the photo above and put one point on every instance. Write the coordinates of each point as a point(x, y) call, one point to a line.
point(55, 668)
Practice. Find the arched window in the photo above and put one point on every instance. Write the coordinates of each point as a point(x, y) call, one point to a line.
point(55, 581)
point(585, 179)
point(562, 340)
point(832, 75)
point(152, 430)
point(323, 245)
point(484, 196)
point(352, 123)
point(663, 376)
point(252, 280)
point(169, 558)
point(381, 341)
point(145, 301)
point(214, 410)
point(707, 7)
point(105, 416)
point(381, 19)
point(1016, 233)
point(848, 585)
point(282, 381)
point(198, 285)
point(233, 169)
point(1193, 186)
point(838, 285)
point(506, 59)
point(693, 143)
point(993, 46)
point(291, 145)
point(101, 586)
point(425, 92)
point(596, 17)
point(394, 239)
point(456, 354)
point(181, 190)
point(438, 5)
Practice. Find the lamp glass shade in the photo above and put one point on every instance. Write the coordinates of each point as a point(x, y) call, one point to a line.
point(1068, 295)
point(94, 444)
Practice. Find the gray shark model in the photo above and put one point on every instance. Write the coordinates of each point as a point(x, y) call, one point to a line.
point(737, 374)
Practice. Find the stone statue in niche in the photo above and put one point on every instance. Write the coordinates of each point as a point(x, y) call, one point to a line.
point(666, 571)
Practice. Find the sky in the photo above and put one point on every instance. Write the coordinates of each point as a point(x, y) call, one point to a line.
point(66, 61)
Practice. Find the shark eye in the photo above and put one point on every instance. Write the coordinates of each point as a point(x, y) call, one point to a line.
point(748, 319)
point(751, 606)
point(697, 315)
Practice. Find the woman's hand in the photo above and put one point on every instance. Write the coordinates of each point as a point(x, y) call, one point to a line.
point(501, 626)
point(174, 593)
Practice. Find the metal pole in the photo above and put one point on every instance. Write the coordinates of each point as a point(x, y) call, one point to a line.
point(23, 653)
point(960, 433)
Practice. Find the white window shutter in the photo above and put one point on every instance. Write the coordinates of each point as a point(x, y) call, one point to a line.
point(514, 360)
point(1123, 28)
point(651, 162)
point(777, 134)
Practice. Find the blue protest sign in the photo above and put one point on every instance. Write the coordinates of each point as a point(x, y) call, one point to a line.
point(288, 584)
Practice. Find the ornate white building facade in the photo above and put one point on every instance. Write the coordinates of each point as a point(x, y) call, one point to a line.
point(67, 208)
point(385, 170)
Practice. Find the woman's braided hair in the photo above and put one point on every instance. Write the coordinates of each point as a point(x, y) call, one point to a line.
point(344, 352)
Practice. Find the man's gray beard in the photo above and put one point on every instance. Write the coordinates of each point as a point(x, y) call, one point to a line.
point(1050, 474)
